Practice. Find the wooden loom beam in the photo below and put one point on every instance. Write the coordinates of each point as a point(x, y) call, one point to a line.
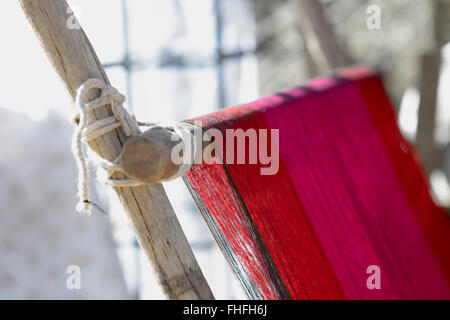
point(155, 223)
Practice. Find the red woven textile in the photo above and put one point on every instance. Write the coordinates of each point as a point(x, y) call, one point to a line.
point(348, 194)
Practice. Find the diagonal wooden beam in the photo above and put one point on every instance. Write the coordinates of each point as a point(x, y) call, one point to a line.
point(433, 156)
point(429, 82)
point(155, 223)
point(321, 43)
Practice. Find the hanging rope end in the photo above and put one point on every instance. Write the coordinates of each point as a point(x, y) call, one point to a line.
point(89, 128)
point(84, 207)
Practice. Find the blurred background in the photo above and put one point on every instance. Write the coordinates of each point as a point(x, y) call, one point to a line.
point(176, 59)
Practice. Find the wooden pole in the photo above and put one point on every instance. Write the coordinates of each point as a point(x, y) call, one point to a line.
point(433, 156)
point(148, 157)
point(429, 81)
point(155, 223)
point(321, 43)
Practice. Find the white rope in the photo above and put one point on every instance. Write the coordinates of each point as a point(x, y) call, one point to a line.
point(89, 128)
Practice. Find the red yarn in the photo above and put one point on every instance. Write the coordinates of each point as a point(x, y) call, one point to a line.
point(349, 193)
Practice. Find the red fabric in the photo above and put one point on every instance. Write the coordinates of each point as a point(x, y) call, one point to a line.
point(348, 194)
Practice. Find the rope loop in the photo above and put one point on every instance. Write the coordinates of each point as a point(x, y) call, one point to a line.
point(89, 128)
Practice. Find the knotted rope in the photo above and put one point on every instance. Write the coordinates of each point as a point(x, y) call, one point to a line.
point(90, 128)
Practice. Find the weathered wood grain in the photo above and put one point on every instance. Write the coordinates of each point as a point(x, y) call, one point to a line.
point(155, 223)
point(148, 157)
